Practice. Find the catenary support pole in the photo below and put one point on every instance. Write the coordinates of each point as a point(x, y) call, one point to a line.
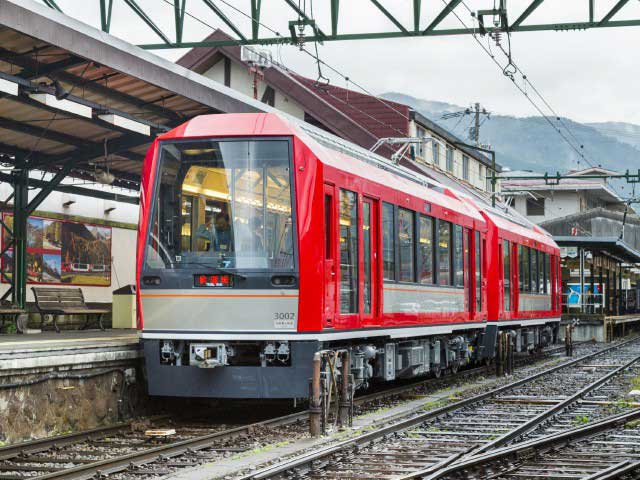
point(315, 428)
point(345, 393)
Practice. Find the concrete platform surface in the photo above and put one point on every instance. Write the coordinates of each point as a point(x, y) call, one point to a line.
point(50, 349)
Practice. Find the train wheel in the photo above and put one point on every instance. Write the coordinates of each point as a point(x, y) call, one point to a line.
point(454, 367)
point(437, 372)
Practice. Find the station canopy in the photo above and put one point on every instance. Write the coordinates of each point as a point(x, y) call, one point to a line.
point(75, 101)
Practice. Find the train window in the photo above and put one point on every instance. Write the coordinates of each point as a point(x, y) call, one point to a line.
point(444, 253)
point(366, 255)
point(506, 252)
point(348, 252)
point(523, 256)
point(540, 272)
point(328, 226)
point(388, 242)
point(534, 271)
point(407, 237)
point(458, 258)
point(547, 269)
point(224, 204)
point(478, 253)
point(425, 248)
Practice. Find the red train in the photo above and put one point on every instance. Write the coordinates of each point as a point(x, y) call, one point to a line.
point(263, 240)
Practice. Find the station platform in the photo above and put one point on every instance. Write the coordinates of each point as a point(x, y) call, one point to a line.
point(85, 348)
point(51, 383)
point(599, 327)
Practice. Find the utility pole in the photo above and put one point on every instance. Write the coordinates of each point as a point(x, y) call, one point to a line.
point(476, 110)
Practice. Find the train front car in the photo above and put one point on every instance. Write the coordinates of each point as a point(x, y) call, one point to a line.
point(263, 240)
point(217, 257)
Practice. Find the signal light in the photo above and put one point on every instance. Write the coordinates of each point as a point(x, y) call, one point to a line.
point(202, 280)
point(224, 280)
point(214, 279)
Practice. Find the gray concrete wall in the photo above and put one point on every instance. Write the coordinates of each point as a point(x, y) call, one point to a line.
point(59, 390)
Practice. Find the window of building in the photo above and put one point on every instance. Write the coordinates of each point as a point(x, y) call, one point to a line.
point(348, 252)
point(481, 173)
point(488, 180)
point(458, 258)
point(407, 244)
point(535, 206)
point(465, 167)
point(388, 243)
point(425, 248)
point(444, 253)
point(419, 147)
point(478, 254)
point(435, 152)
point(449, 158)
point(506, 252)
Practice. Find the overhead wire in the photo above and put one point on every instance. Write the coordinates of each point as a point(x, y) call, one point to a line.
point(502, 68)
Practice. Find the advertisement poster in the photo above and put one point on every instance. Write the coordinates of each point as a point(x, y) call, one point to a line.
point(63, 252)
point(574, 295)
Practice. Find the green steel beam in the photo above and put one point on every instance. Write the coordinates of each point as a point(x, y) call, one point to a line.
point(591, 10)
point(283, 40)
point(255, 18)
point(50, 186)
point(303, 15)
point(388, 14)
point(416, 15)
point(105, 15)
point(20, 182)
point(535, 4)
point(224, 18)
point(335, 9)
point(146, 19)
point(178, 13)
point(613, 11)
point(442, 15)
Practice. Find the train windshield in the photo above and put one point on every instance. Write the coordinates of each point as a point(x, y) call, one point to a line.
point(223, 204)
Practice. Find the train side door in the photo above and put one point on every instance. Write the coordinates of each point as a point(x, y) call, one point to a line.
point(329, 256)
point(370, 261)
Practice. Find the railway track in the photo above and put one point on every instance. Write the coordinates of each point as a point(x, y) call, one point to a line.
point(125, 451)
point(421, 446)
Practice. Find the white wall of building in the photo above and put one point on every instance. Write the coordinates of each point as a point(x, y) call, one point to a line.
point(477, 172)
point(87, 209)
point(242, 81)
point(559, 204)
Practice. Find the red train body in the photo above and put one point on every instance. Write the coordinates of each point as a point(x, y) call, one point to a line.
point(263, 240)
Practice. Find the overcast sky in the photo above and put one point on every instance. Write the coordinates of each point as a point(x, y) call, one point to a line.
point(588, 76)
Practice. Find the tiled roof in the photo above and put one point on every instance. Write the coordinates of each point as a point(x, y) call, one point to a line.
point(383, 118)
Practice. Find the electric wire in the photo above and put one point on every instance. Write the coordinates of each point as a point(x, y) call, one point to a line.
point(526, 95)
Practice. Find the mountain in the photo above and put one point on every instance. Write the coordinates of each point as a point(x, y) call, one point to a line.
point(530, 143)
point(623, 132)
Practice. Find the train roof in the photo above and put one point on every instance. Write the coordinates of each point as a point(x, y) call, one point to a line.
point(333, 150)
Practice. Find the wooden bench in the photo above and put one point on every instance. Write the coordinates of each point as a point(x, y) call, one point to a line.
point(65, 301)
point(13, 313)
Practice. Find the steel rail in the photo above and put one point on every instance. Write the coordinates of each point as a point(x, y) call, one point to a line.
point(116, 464)
point(527, 427)
point(534, 447)
point(308, 458)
